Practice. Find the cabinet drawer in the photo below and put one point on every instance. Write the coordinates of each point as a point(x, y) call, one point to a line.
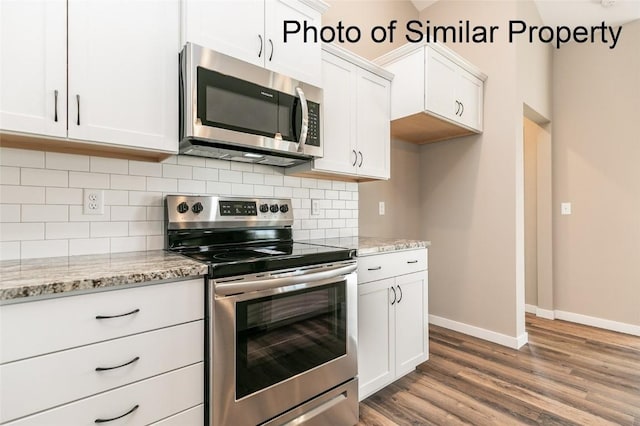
point(156, 398)
point(191, 417)
point(71, 375)
point(386, 265)
point(35, 328)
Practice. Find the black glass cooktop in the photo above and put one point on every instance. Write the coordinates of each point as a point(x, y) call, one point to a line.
point(228, 261)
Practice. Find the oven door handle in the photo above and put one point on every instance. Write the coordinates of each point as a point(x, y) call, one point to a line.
point(235, 287)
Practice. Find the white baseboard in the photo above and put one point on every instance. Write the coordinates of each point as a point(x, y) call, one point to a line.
point(620, 327)
point(546, 313)
point(481, 333)
point(530, 309)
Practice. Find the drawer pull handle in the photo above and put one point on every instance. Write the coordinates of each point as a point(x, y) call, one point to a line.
point(377, 268)
point(119, 417)
point(117, 366)
point(101, 317)
point(412, 261)
point(400, 290)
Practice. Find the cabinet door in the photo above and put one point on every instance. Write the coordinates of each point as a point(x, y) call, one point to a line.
point(232, 27)
point(338, 116)
point(373, 127)
point(33, 43)
point(295, 58)
point(441, 79)
point(469, 93)
point(123, 72)
point(376, 324)
point(411, 322)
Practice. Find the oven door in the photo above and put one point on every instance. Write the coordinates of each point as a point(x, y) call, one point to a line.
point(276, 348)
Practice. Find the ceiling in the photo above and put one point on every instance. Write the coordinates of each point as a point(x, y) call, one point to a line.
point(575, 12)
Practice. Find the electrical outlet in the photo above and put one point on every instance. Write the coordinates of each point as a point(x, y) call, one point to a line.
point(315, 207)
point(381, 208)
point(93, 201)
point(565, 208)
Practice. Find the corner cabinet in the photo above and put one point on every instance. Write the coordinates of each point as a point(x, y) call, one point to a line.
point(392, 317)
point(436, 94)
point(94, 71)
point(253, 31)
point(355, 116)
point(134, 354)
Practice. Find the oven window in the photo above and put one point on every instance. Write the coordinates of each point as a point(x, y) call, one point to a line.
point(280, 336)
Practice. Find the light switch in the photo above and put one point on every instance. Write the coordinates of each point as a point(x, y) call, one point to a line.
point(565, 208)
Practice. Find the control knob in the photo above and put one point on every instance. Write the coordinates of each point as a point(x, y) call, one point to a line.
point(264, 208)
point(274, 208)
point(284, 208)
point(183, 207)
point(197, 208)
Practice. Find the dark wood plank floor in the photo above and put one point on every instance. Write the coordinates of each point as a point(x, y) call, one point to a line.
point(568, 374)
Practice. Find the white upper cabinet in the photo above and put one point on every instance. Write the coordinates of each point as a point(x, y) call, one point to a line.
point(436, 94)
point(33, 69)
point(253, 31)
point(355, 119)
point(123, 72)
point(120, 59)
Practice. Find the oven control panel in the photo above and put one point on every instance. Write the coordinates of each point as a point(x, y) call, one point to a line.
point(204, 211)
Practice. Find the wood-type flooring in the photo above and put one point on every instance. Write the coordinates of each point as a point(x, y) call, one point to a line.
point(568, 374)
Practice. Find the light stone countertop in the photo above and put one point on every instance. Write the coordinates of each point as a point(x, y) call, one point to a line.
point(371, 245)
point(53, 276)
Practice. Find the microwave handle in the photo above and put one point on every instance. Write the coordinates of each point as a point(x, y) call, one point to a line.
point(305, 119)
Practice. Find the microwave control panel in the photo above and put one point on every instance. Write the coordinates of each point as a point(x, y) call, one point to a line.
point(313, 134)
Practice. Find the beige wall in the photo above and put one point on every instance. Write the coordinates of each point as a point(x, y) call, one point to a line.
point(401, 194)
point(366, 14)
point(531, 212)
point(596, 149)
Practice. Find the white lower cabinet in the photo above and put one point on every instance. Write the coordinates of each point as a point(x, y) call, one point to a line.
point(135, 355)
point(392, 318)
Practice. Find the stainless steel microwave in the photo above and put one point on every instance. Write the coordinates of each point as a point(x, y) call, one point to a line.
point(234, 110)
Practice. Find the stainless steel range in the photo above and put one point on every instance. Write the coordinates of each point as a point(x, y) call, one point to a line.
point(281, 315)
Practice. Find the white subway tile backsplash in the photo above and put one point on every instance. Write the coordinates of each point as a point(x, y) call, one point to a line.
point(191, 186)
point(14, 194)
point(46, 248)
point(128, 213)
point(21, 157)
point(132, 183)
point(232, 176)
point(21, 231)
point(66, 230)
point(44, 213)
point(63, 196)
point(162, 184)
point(255, 178)
point(10, 175)
point(76, 214)
point(138, 198)
point(44, 177)
point(176, 171)
point(109, 165)
point(116, 198)
point(9, 212)
point(187, 160)
point(60, 161)
point(88, 180)
point(124, 244)
point(143, 168)
point(109, 229)
point(202, 173)
point(9, 250)
point(89, 246)
point(146, 228)
point(41, 194)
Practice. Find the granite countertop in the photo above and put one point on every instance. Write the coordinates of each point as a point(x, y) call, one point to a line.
point(55, 275)
point(371, 245)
